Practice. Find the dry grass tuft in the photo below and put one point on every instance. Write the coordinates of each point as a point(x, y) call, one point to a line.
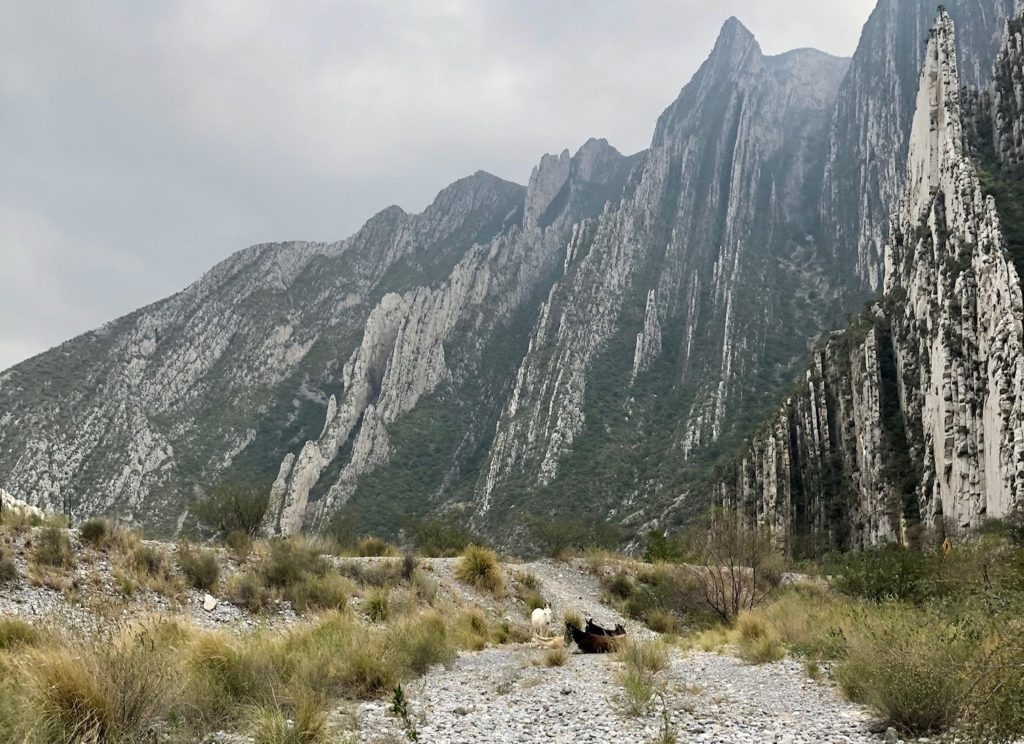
point(479, 568)
point(52, 548)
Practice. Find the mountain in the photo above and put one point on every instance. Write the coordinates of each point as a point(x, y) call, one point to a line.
point(589, 345)
point(869, 137)
point(913, 417)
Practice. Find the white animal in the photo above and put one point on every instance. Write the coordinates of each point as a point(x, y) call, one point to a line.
point(540, 619)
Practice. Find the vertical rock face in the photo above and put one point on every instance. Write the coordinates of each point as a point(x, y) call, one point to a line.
point(922, 421)
point(870, 130)
point(703, 288)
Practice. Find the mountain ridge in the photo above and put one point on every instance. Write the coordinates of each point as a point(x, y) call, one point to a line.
point(613, 328)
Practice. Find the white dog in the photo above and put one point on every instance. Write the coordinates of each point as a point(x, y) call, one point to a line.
point(540, 619)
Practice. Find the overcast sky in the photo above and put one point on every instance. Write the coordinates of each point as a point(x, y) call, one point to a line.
point(142, 142)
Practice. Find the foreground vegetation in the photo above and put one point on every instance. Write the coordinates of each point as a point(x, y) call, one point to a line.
point(369, 626)
point(931, 639)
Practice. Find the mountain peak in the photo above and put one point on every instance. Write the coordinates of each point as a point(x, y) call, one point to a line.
point(733, 36)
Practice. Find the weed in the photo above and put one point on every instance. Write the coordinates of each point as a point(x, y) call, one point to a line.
point(239, 542)
point(246, 590)
point(376, 605)
point(52, 548)
point(94, 532)
point(8, 568)
point(199, 567)
point(479, 567)
point(15, 633)
point(908, 664)
point(649, 656)
point(370, 546)
point(400, 708)
point(639, 690)
point(556, 657)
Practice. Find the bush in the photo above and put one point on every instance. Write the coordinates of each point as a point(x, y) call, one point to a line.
point(328, 592)
point(737, 565)
point(290, 562)
point(246, 590)
point(304, 722)
point(639, 689)
point(372, 547)
point(233, 507)
point(556, 657)
point(889, 572)
point(148, 560)
point(8, 568)
point(435, 538)
point(649, 656)
point(419, 642)
point(479, 568)
point(53, 548)
point(239, 542)
point(619, 586)
point(661, 621)
point(94, 532)
point(14, 633)
point(376, 605)
point(558, 537)
point(103, 691)
point(660, 549)
point(200, 567)
point(908, 664)
point(762, 650)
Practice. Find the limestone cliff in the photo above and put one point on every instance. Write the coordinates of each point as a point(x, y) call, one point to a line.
point(914, 416)
point(870, 130)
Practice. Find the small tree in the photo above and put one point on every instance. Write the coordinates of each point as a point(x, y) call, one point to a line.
point(735, 563)
point(231, 507)
point(558, 537)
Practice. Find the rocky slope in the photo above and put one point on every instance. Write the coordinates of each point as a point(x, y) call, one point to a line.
point(609, 330)
point(914, 415)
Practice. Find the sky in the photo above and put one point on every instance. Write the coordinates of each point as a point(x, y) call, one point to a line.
point(141, 143)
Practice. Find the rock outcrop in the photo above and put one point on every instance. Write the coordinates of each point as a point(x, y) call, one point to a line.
point(869, 136)
point(914, 416)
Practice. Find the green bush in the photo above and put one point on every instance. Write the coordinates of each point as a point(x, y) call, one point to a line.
point(479, 567)
point(661, 549)
point(200, 567)
point(94, 532)
point(290, 563)
point(53, 548)
point(239, 542)
point(101, 691)
point(420, 642)
point(374, 547)
point(619, 586)
point(376, 605)
point(247, 590)
point(435, 538)
point(233, 507)
point(890, 572)
point(328, 592)
point(911, 665)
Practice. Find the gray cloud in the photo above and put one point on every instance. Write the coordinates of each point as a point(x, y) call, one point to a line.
point(144, 142)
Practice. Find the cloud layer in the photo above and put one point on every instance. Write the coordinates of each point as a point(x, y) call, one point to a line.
point(144, 142)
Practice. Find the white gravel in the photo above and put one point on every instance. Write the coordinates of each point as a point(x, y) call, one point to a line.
point(498, 695)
